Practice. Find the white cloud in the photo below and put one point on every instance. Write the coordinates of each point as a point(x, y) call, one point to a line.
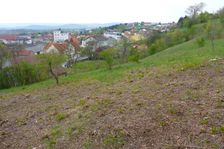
point(97, 11)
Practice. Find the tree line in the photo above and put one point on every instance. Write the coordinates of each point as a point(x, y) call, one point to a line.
point(24, 73)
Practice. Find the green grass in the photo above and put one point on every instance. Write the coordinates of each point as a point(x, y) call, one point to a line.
point(217, 130)
point(180, 57)
point(51, 141)
point(204, 121)
point(88, 144)
point(87, 66)
point(60, 116)
point(187, 54)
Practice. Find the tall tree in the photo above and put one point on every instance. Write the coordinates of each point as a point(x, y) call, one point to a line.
point(194, 10)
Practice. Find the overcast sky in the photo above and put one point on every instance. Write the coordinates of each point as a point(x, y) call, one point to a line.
point(97, 11)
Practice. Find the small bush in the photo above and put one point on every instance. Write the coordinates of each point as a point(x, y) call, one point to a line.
point(200, 42)
point(108, 56)
point(134, 55)
point(152, 49)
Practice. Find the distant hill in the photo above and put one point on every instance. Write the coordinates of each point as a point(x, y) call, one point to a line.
point(45, 27)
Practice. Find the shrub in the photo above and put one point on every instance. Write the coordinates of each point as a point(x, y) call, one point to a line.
point(200, 42)
point(152, 49)
point(108, 56)
point(25, 73)
point(187, 22)
point(21, 74)
point(134, 55)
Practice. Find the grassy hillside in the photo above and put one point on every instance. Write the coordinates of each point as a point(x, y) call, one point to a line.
point(172, 99)
point(179, 57)
point(186, 54)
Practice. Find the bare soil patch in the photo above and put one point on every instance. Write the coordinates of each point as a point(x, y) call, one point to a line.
point(176, 110)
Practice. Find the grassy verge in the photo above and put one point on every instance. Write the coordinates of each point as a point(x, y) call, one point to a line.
point(87, 66)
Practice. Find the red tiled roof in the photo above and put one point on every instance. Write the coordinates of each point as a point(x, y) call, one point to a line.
point(8, 37)
point(61, 47)
point(29, 59)
point(75, 42)
point(48, 45)
point(24, 52)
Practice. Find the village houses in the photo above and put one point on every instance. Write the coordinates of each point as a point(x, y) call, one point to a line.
point(10, 39)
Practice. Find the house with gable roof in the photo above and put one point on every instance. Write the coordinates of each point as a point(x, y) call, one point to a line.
point(53, 47)
point(71, 46)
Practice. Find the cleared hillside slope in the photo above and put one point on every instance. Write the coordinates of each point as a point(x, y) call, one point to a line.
point(173, 99)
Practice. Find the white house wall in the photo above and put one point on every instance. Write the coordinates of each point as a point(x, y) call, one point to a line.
point(52, 49)
point(58, 36)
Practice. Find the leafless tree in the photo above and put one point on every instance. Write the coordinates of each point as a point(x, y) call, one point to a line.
point(193, 10)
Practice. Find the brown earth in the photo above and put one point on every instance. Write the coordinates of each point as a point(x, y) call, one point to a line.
point(146, 110)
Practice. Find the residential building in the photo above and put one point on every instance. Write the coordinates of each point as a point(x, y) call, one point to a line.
point(59, 36)
point(87, 40)
point(36, 49)
point(126, 34)
point(8, 38)
point(115, 35)
point(23, 55)
point(71, 45)
point(15, 39)
point(24, 39)
point(54, 47)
